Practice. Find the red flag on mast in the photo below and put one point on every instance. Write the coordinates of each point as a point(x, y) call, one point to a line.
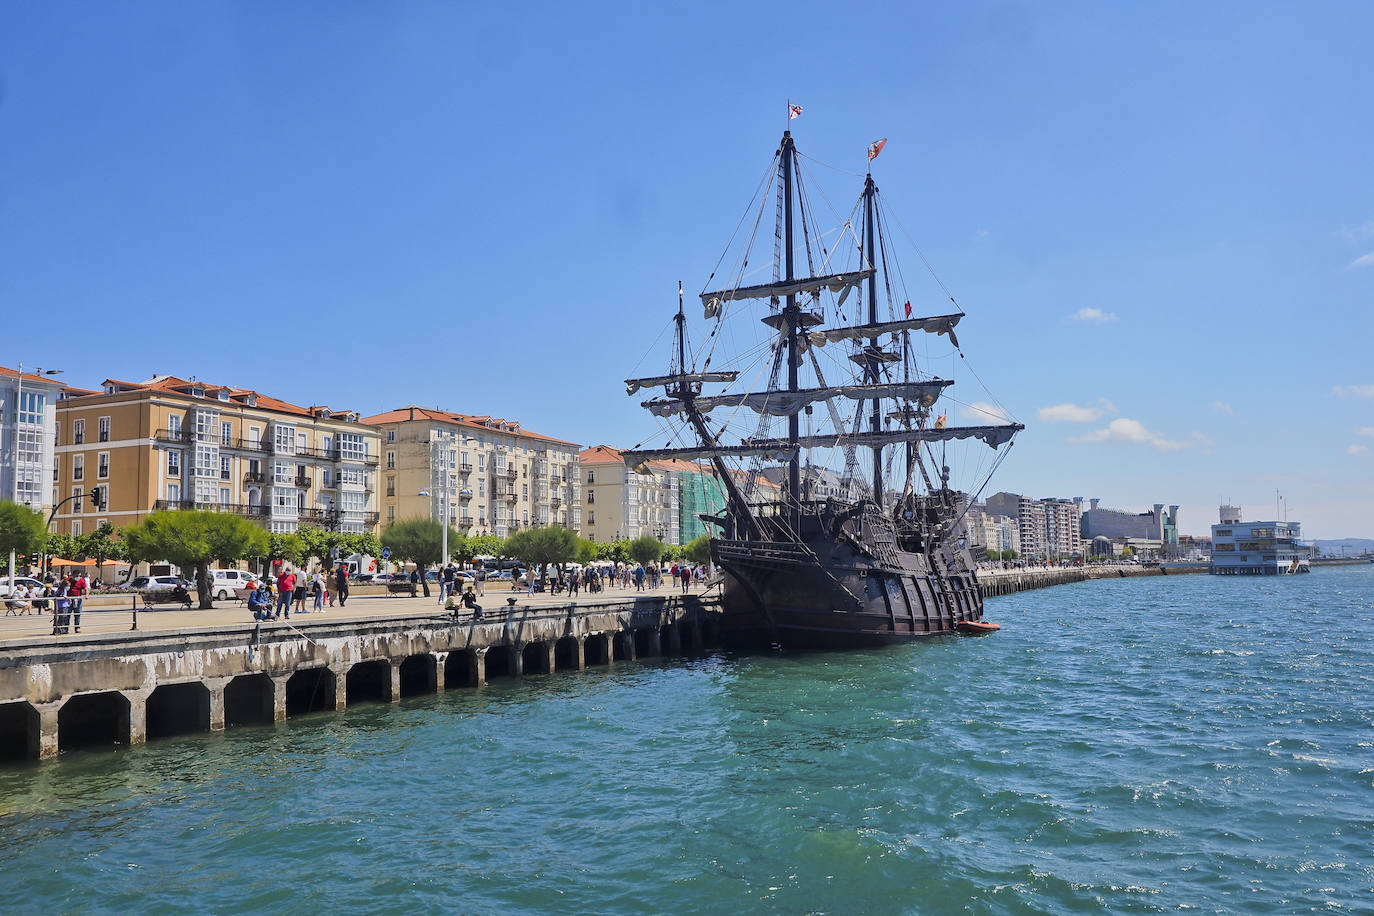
point(875, 148)
point(793, 112)
point(908, 310)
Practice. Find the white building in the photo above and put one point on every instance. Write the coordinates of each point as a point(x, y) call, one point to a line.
point(1257, 548)
point(28, 411)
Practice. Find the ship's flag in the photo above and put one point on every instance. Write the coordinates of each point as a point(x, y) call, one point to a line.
point(793, 112)
point(875, 148)
point(908, 310)
point(940, 422)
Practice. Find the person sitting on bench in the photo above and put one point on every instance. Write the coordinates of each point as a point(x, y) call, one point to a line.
point(470, 602)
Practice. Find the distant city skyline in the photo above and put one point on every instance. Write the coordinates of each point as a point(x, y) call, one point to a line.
point(1158, 220)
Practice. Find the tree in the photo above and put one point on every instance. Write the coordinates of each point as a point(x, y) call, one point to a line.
point(101, 544)
point(614, 551)
point(22, 530)
point(698, 550)
point(283, 546)
point(543, 546)
point(487, 545)
point(193, 538)
point(586, 551)
point(419, 541)
point(646, 549)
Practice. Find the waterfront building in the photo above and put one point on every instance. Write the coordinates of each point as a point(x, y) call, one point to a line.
point(173, 443)
point(28, 412)
point(1155, 524)
point(491, 475)
point(1048, 529)
point(993, 532)
point(623, 503)
point(1257, 548)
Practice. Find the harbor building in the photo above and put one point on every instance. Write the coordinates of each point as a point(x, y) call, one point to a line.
point(1048, 529)
point(1257, 548)
point(28, 411)
point(489, 475)
point(993, 532)
point(1154, 525)
point(132, 448)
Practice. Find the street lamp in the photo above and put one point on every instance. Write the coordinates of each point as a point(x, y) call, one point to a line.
point(18, 412)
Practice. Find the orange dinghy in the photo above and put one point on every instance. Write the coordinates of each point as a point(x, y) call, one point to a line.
point(976, 627)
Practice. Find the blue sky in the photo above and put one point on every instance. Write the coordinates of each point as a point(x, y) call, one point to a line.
point(1158, 217)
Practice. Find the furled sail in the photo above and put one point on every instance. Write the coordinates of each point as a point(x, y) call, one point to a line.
point(838, 283)
point(935, 324)
point(781, 448)
point(684, 378)
point(787, 403)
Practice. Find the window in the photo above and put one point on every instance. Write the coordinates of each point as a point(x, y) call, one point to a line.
point(78, 467)
point(57, 434)
point(56, 467)
point(225, 496)
point(173, 464)
point(391, 435)
point(78, 432)
point(591, 518)
point(255, 435)
point(281, 472)
point(481, 462)
point(390, 514)
point(78, 504)
point(391, 459)
point(301, 441)
point(226, 434)
point(482, 487)
point(76, 527)
point(591, 497)
point(285, 439)
point(391, 486)
point(174, 492)
point(102, 465)
point(591, 477)
point(525, 491)
point(103, 429)
point(174, 424)
point(352, 445)
point(223, 467)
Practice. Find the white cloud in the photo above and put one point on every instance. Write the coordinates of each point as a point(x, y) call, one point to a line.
point(1069, 413)
point(1353, 391)
point(983, 413)
point(1133, 432)
point(1366, 431)
point(1222, 407)
point(1364, 260)
point(1092, 314)
point(1356, 449)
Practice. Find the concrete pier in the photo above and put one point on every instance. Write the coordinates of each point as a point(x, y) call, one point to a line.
point(126, 688)
point(1007, 581)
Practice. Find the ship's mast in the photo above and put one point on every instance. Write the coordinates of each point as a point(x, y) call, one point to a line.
point(792, 317)
point(871, 366)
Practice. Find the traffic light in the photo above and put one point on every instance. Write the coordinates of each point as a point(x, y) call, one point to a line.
point(98, 499)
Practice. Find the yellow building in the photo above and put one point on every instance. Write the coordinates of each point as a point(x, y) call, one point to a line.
point(172, 443)
point(499, 477)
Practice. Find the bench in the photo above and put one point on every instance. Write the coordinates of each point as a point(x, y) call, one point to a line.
point(401, 587)
point(241, 595)
point(151, 599)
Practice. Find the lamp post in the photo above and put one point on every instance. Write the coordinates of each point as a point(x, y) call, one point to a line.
point(18, 412)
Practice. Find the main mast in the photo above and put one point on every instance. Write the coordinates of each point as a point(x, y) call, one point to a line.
point(871, 368)
point(791, 316)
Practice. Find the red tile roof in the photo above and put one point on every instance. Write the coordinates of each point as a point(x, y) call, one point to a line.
point(469, 421)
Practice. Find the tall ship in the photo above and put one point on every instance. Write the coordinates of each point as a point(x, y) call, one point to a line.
point(811, 380)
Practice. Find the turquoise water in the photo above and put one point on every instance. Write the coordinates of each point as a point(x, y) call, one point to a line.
point(1125, 746)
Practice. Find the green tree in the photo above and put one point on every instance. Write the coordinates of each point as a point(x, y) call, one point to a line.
point(419, 541)
point(283, 546)
point(100, 545)
point(646, 549)
point(543, 547)
point(488, 545)
point(193, 539)
point(698, 550)
point(22, 530)
point(586, 551)
point(614, 551)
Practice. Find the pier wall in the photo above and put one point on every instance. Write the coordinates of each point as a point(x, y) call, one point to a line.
point(125, 689)
point(1007, 581)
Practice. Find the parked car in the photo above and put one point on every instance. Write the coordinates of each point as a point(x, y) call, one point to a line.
point(160, 583)
point(224, 582)
point(382, 577)
point(499, 576)
point(18, 580)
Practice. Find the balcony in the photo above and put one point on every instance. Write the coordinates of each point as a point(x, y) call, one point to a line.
point(555, 502)
point(303, 482)
point(172, 435)
point(245, 445)
point(255, 477)
point(228, 508)
point(465, 468)
point(464, 523)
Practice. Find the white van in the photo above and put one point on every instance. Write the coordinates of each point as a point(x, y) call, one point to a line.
point(224, 582)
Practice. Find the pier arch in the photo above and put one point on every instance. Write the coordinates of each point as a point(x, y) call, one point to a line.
point(368, 682)
point(566, 656)
point(460, 669)
point(419, 675)
point(93, 721)
point(249, 700)
point(20, 726)
point(534, 658)
point(622, 646)
point(597, 649)
point(501, 662)
point(310, 690)
point(178, 709)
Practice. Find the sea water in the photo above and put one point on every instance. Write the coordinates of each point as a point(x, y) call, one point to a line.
point(1187, 743)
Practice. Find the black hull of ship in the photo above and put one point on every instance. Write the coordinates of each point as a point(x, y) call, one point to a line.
point(826, 597)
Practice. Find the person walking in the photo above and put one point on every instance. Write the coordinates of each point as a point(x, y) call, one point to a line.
point(286, 586)
point(298, 594)
point(446, 583)
point(78, 593)
point(341, 583)
point(685, 573)
point(317, 590)
point(61, 615)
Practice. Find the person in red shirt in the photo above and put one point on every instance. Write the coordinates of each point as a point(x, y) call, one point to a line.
point(286, 583)
point(78, 596)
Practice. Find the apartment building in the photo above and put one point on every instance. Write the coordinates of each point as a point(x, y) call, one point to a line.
point(172, 443)
point(28, 413)
point(620, 503)
point(489, 475)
